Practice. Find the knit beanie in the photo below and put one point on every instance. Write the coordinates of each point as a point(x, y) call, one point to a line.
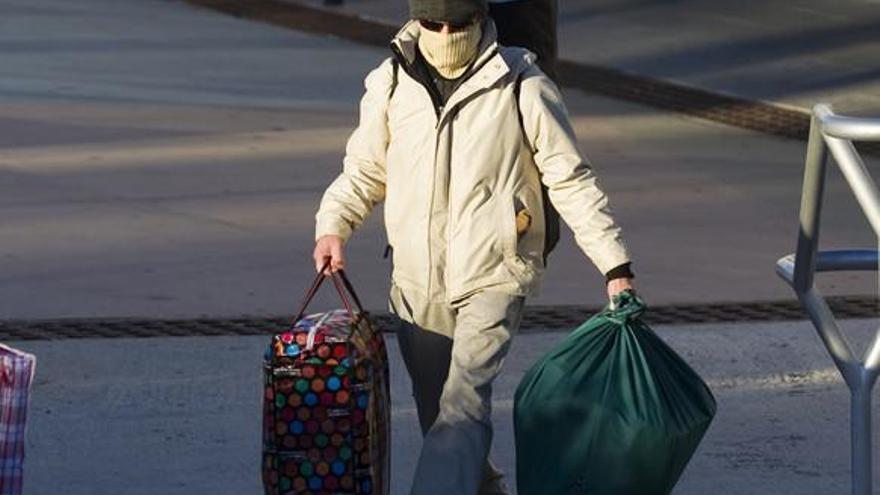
point(452, 11)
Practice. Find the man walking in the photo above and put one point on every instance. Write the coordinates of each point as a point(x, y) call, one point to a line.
point(457, 134)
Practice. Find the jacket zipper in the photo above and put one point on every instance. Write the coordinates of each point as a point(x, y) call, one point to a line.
point(449, 216)
point(449, 229)
point(434, 95)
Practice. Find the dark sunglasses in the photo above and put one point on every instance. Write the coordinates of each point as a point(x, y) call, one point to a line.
point(437, 26)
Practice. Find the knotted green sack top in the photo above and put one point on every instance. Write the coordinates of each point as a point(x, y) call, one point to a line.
point(626, 306)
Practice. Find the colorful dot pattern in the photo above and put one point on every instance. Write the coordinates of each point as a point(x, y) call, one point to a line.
point(326, 410)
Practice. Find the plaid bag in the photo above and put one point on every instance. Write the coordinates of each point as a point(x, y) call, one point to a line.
point(16, 375)
point(326, 403)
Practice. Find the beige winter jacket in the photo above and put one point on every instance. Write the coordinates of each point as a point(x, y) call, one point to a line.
point(453, 181)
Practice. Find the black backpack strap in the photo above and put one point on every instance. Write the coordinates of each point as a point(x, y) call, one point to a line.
point(395, 67)
point(551, 216)
point(517, 87)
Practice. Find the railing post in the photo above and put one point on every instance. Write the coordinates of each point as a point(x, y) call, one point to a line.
point(834, 133)
point(860, 415)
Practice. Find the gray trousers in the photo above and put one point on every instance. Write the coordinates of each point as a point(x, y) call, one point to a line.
point(453, 353)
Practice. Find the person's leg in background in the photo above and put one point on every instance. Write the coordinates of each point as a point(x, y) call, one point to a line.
point(454, 457)
point(427, 354)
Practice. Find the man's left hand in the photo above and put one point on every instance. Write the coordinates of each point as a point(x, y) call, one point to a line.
point(617, 285)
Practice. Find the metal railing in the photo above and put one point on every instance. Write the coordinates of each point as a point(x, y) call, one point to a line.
point(835, 133)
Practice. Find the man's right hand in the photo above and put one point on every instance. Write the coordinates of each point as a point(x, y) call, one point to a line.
point(329, 248)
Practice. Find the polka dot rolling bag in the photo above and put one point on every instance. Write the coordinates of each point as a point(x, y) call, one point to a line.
point(326, 408)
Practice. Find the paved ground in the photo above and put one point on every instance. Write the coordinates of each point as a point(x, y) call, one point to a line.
point(792, 52)
point(179, 416)
point(161, 160)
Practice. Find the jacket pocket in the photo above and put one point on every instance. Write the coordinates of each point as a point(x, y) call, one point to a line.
point(518, 267)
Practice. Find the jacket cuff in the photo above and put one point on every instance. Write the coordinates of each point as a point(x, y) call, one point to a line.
point(620, 271)
point(332, 226)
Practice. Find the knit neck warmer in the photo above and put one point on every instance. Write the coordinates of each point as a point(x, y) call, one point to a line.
point(450, 53)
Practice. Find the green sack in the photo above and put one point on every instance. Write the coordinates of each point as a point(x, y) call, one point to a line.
point(611, 410)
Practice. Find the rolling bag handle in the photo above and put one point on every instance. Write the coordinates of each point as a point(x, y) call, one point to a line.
point(340, 280)
point(342, 284)
point(356, 319)
point(310, 294)
point(350, 288)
